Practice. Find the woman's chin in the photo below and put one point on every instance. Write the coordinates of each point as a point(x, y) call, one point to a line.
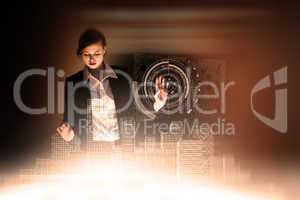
point(93, 66)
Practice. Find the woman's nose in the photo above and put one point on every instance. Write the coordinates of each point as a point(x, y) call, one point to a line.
point(92, 60)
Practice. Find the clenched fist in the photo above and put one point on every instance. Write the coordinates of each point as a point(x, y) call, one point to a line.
point(65, 131)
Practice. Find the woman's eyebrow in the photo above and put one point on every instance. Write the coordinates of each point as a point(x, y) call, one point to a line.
point(92, 52)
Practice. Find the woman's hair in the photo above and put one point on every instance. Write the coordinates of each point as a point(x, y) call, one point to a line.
point(88, 37)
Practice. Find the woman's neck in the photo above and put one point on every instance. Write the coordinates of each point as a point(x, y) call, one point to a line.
point(96, 72)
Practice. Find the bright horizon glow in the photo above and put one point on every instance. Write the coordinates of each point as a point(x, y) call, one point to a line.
point(98, 180)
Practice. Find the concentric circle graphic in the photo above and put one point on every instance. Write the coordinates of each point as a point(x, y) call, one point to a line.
point(176, 82)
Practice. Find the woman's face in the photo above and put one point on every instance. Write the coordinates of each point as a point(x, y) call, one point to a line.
point(93, 55)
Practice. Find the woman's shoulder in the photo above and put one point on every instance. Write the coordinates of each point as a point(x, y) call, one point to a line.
point(77, 76)
point(121, 71)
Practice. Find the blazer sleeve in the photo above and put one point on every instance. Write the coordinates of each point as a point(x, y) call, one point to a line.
point(66, 102)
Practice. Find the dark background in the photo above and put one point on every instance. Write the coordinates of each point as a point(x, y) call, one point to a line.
point(254, 38)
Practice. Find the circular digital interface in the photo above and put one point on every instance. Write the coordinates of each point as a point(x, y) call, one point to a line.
point(176, 82)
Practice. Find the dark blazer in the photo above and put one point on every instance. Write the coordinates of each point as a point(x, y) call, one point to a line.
point(121, 91)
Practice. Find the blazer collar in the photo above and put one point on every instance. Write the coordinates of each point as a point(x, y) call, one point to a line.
point(106, 72)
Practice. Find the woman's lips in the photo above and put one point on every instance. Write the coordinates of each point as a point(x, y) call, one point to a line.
point(92, 62)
